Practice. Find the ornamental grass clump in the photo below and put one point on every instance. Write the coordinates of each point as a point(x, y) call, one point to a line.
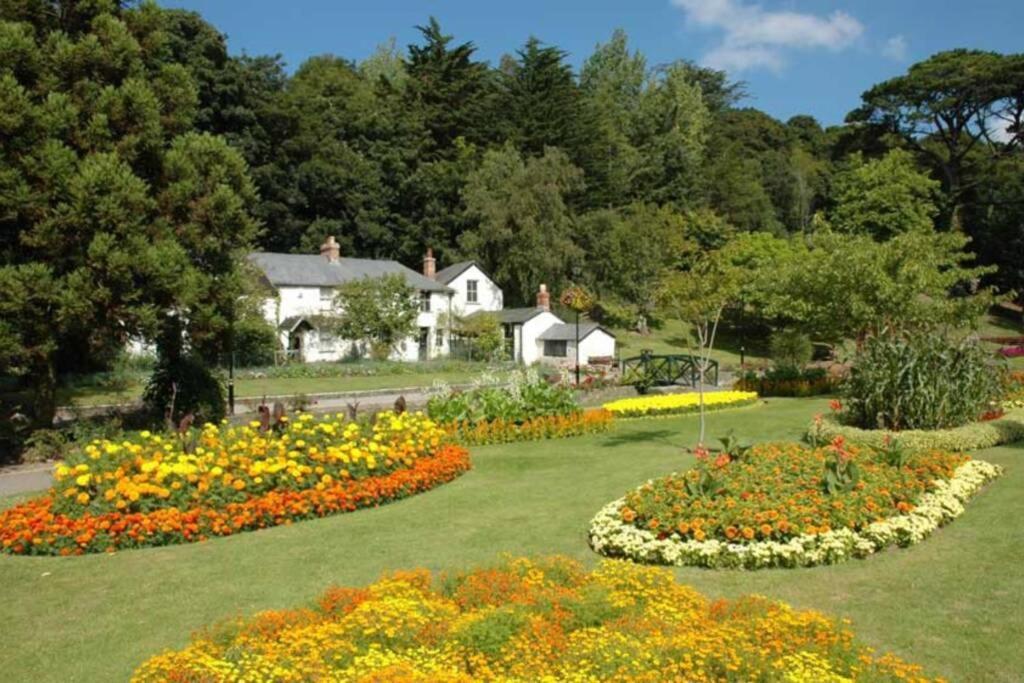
point(530, 620)
point(903, 381)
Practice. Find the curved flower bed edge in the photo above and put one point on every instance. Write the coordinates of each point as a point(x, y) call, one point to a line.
point(31, 528)
point(612, 537)
point(973, 436)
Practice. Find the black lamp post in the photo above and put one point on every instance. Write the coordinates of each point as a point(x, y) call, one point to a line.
point(231, 364)
point(577, 347)
point(576, 277)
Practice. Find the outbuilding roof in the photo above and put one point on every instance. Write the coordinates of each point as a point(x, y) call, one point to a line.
point(311, 270)
point(513, 316)
point(567, 332)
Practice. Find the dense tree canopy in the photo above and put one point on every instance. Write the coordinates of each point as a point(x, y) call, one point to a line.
point(141, 160)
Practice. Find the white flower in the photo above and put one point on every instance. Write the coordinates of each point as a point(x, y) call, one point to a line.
point(609, 535)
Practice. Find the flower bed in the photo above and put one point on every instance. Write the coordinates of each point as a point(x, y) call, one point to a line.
point(812, 382)
point(678, 404)
point(772, 509)
point(530, 621)
point(156, 490)
point(974, 436)
point(1012, 351)
point(550, 427)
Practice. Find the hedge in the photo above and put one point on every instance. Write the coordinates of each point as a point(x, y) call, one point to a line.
point(973, 436)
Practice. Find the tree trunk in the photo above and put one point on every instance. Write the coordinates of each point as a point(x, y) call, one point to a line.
point(43, 382)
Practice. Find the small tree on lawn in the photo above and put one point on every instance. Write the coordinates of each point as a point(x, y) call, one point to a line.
point(698, 297)
point(381, 311)
point(484, 331)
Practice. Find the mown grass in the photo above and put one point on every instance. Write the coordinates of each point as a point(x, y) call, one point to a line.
point(954, 603)
point(278, 386)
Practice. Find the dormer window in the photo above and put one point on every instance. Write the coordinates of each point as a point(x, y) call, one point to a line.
point(425, 302)
point(471, 291)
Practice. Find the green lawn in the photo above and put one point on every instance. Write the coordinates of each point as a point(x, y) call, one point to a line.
point(952, 603)
point(256, 388)
point(672, 337)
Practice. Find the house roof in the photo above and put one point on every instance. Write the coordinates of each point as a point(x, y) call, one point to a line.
point(446, 275)
point(311, 270)
point(513, 316)
point(567, 332)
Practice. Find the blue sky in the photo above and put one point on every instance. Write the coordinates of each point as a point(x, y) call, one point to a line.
point(796, 56)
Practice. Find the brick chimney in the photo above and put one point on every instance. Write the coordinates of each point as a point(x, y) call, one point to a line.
point(429, 264)
point(330, 249)
point(544, 298)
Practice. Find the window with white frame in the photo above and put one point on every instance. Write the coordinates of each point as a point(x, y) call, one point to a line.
point(425, 302)
point(326, 297)
point(471, 291)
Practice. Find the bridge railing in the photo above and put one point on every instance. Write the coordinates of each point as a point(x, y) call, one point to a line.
point(649, 369)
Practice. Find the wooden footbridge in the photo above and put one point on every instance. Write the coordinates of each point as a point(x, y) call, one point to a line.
point(647, 370)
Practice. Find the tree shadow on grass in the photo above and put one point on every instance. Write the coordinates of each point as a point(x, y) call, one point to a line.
point(667, 437)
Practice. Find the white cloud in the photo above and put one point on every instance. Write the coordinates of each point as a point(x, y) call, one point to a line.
point(754, 37)
point(895, 48)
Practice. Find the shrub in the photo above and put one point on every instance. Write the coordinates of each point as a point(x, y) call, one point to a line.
point(788, 382)
point(184, 385)
point(255, 342)
point(790, 349)
point(970, 437)
point(530, 620)
point(926, 381)
point(517, 397)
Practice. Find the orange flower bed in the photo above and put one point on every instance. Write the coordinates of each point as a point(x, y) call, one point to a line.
point(33, 528)
point(530, 620)
point(546, 427)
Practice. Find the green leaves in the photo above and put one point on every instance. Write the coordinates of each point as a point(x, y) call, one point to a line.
point(918, 381)
point(884, 197)
point(381, 310)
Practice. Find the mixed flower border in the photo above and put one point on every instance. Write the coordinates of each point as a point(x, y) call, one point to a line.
point(578, 423)
point(32, 528)
point(970, 437)
point(611, 536)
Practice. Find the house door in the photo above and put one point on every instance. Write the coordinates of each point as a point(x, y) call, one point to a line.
point(424, 343)
point(295, 346)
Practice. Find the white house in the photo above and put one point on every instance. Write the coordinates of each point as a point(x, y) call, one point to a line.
point(304, 286)
point(536, 334)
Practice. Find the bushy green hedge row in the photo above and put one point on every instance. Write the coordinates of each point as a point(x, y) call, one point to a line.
point(969, 437)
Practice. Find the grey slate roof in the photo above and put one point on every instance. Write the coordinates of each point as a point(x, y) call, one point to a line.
point(312, 270)
point(567, 332)
point(446, 275)
point(512, 316)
